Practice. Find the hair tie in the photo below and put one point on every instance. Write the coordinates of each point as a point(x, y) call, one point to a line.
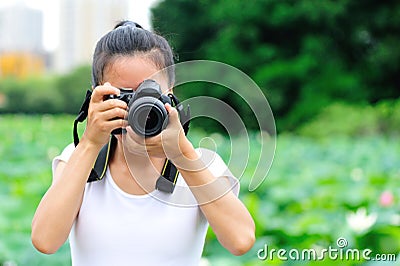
point(129, 24)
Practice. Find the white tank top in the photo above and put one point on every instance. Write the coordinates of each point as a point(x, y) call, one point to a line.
point(117, 228)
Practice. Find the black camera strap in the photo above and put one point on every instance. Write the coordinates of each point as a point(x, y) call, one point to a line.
point(167, 180)
point(169, 175)
point(82, 115)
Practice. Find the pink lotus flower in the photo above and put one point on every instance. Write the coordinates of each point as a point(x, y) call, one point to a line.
point(386, 199)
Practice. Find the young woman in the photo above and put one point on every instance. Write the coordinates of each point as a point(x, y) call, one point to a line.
point(121, 219)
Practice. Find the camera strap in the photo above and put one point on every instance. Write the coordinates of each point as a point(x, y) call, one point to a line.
point(169, 174)
point(82, 115)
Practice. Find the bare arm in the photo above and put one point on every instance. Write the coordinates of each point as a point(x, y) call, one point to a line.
point(60, 205)
point(226, 214)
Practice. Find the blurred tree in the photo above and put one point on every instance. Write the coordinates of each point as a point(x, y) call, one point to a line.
point(186, 25)
point(32, 95)
point(72, 88)
point(62, 94)
point(303, 54)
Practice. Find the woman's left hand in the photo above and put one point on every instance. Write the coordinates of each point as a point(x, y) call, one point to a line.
point(171, 142)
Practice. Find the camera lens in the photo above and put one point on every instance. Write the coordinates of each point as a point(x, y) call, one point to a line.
point(147, 116)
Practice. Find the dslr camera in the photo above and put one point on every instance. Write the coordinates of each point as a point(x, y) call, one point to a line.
point(147, 115)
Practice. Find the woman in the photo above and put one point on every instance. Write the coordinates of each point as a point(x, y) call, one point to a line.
point(120, 220)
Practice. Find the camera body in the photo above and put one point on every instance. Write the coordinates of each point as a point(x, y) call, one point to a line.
point(147, 115)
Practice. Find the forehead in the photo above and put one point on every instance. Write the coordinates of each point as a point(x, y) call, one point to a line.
point(130, 71)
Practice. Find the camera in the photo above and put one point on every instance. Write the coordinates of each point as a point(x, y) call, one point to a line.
point(147, 115)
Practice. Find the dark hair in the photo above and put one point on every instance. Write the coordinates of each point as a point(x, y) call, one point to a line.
point(129, 38)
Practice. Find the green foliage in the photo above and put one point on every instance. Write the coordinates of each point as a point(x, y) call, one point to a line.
point(342, 119)
point(28, 144)
point(45, 95)
point(312, 187)
point(32, 95)
point(310, 192)
point(72, 88)
point(303, 54)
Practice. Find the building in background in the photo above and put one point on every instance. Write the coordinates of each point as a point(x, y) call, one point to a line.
point(82, 23)
point(21, 49)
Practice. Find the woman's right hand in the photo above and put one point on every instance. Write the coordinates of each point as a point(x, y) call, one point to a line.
point(104, 115)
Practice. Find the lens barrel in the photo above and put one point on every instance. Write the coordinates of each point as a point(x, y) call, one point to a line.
point(147, 116)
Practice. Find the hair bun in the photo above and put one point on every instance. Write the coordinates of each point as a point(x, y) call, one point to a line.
point(128, 23)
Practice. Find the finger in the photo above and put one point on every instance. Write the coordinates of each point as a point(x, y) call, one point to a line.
point(106, 111)
point(117, 123)
point(169, 108)
point(172, 114)
point(111, 104)
point(100, 91)
point(108, 126)
point(114, 113)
